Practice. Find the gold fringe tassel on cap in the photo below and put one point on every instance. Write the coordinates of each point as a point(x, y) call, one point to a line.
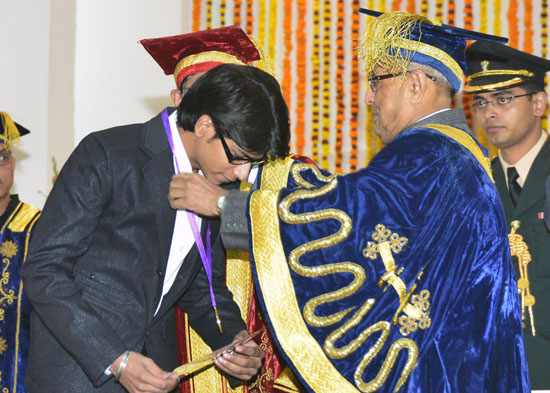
point(267, 62)
point(383, 38)
point(11, 136)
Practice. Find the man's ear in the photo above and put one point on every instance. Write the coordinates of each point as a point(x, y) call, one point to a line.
point(540, 99)
point(417, 85)
point(204, 126)
point(175, 94)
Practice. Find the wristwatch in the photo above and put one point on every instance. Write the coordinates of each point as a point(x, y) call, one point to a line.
point(220, 204)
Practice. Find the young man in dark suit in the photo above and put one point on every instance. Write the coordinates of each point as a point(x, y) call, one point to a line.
point(110, 257)
point(509, 101)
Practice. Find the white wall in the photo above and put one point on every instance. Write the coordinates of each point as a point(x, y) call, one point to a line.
point(116, 81)
point(24, 68)
point(70, 67)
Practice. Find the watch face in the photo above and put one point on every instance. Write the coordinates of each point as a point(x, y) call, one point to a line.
point(221, 201)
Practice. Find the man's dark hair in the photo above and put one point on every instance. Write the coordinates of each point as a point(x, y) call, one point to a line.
point(245, 105)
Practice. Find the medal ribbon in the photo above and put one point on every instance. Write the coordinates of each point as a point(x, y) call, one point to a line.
point(206, 254)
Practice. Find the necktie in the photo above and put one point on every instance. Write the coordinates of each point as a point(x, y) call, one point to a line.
point(513, 187)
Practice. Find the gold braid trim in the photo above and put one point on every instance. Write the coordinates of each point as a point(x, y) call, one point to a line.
point(467, 141)
point(204, 57)
point(526, 73)
point(280, 299)
point(23, 217)
point(492, 86)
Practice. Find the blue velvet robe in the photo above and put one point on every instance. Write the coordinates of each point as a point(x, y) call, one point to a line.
point(394, 278)
point(15, 308)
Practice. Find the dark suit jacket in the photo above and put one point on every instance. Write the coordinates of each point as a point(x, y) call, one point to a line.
point(537, 238)
point(97, 261)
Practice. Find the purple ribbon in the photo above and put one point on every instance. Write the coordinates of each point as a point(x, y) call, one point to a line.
point(206, 254)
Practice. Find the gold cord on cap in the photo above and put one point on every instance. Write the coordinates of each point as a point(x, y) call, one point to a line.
point(267, 62)
point(11, 134)
point(384, 37)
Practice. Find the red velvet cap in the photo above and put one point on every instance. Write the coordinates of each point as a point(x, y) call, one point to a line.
point(187, 54)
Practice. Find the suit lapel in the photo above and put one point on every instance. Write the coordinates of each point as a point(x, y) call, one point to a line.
point(191, 264)
point(158, 173)
point(533, 189)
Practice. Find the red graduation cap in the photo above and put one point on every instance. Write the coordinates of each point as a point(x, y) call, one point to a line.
point(187, 54)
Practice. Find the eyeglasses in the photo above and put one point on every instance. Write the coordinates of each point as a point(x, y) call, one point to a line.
point(236, 160)
point(373, 82)
point(499, 101)
point(5, 157)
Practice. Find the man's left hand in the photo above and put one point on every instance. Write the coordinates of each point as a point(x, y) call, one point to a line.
point(244, 362)
point(193, 192)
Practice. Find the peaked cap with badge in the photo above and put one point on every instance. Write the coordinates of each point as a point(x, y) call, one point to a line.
point(493, 66)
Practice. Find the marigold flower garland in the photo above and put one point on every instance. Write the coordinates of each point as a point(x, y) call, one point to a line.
point(497, 23)
point(315, 81)
point(424, 8)
point(222, 12)
point(208, 14)
point(197, 15)
point(483, 25)
point(237, 12)
point(250, 17)
point(325, 83)
point(340, 67)
point(396, 5)
point(451, 8)
point(272, 29)
point(468, 15)
point(261, 22)
point(286, 83)
point(528, 23)
point(411, 6)
point(354, 89)
point(544, 50)
point(439, 10)
point(301, 40)
point(513, 31)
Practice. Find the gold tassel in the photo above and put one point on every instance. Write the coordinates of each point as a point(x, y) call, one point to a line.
point(383, 38)
point(266, 61)
point(11, 135)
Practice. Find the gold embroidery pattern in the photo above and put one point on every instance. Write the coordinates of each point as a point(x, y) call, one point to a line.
point(280, 299)
point(9, 249)
point(392, 241)
point(417, 314)
point(3, 344)
point(7, 297)
point(519, 249)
